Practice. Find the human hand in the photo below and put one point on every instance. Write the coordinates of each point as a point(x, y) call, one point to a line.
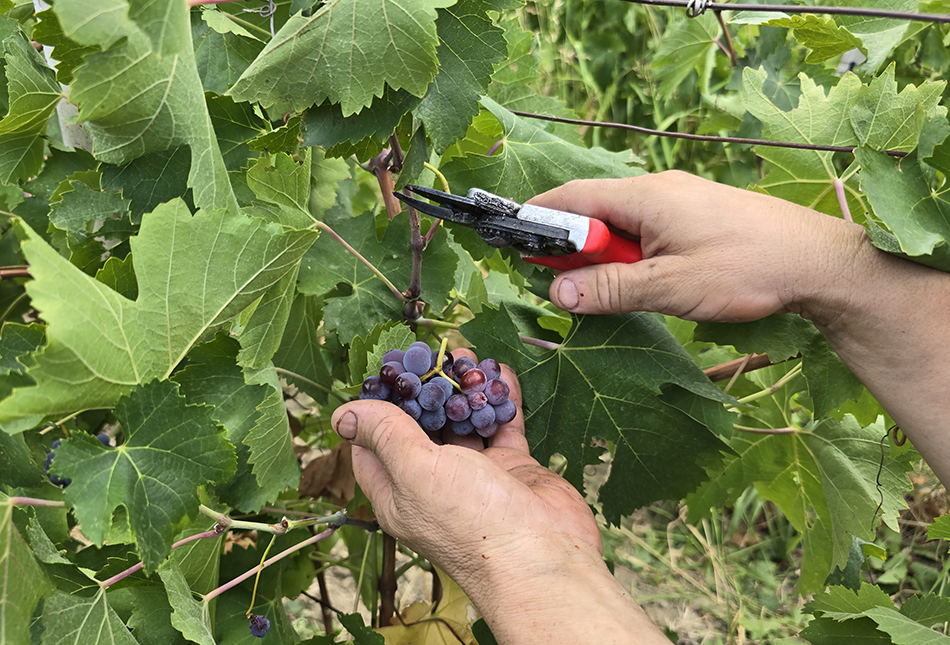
point(710, 252)
point(485, 516)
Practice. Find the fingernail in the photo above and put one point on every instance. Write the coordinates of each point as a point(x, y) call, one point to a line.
point(346, 426)
point(567, 294)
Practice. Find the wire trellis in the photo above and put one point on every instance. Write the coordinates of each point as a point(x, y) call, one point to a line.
point(697, 137)
point(698, 7)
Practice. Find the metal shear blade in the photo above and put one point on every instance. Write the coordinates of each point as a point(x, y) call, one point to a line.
point(462, 216)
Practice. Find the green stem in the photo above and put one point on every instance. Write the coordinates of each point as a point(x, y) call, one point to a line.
point(396, 292)
point(285, 525)
point(247, 25)
point(769, 391)
point(429, 322)
point(750, 430)
point(324, 388)
point(33, 501)
point(280, 556)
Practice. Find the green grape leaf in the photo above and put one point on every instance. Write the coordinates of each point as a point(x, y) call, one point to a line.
point(690, 43)
point(396, 337)
point(469, 48)
point(842, 603)
point(235, 124)
point(927, 610)
point(362, 634)
point(220, 58)
point(300, 356)
point(279, 180)
point(532, 161)
point(862, 631)
point(150, 180)
point(143, 95)
point(222, 23)
point(806, 177)
point(312, 58)
point(612, 379)
point(904, 630)
point(212, 377)
point(67, 53)
point(17, 345)
point(822, 36)
point(271, 444)
point(879, 35)
point(150, 621)
point(193, 272)
point(327, 263)
point(824, 480)
point(69, 618)
point(830, 382)
point(940, 529)
point(22, 582)
point(32, 94)
point(286, 138)
point(903, 201)
point(260, 337)
point(325, 125)
point(169, 449)
point(885, 120)
point(189, 616)
point(18, 465)
point(97, 224)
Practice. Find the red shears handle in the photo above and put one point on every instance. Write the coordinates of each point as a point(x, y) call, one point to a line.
point(602, 247)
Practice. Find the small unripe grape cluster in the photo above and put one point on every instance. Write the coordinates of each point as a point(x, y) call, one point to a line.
point(477, 401)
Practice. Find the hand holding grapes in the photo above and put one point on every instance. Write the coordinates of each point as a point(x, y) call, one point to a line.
point(508, 530)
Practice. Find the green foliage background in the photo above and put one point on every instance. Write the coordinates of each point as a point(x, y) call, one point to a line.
point(182, 280)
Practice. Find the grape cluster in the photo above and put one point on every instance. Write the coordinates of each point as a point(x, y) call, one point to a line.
point(65, 481)
point(477, 401)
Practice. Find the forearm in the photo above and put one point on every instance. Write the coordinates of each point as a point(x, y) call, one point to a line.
point(568, 599)
point(889, 320)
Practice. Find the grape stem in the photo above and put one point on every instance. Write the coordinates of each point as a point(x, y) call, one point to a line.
point(537, 342)
point(325, 227)
point(278, 528)
point(33, 501)
point(772, 389)
point(751, 430)
point(214, 532)
point(324, 388)
point(842, 199)
point(214, 593)
point(429, 322)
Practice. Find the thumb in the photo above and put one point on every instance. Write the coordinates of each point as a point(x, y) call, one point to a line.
point(396, 441)
point(648, 285)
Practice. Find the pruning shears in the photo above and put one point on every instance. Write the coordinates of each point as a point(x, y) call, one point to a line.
point(553, 238)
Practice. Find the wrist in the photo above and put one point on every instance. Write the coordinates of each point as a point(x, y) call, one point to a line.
point(525, 600)
point(832, 261)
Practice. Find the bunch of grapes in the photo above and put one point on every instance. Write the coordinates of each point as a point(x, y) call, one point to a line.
point(66, 481)
point(476, 401)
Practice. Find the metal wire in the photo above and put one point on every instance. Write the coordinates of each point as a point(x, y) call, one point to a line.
point(698, 137)
point(698, 7)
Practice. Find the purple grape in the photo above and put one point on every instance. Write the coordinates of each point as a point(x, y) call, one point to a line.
point(457, 407)
point(462, 365)
point(484, 417)
point(389, 371)
point(56, 480)
point(445, 384)
point(497, 391)
point(259, 626)
point(417, 358)
point(408, 385)
point(432, 420)
point(477, 400)
point(374, 388)
point(473, 381)
point(447, 360)
point(410, 407)
point(487, 431)
point(491, 368)
point(431, 397)
point(463, 427)
point(393, 355)
point(104, 439)
point(505, 412)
